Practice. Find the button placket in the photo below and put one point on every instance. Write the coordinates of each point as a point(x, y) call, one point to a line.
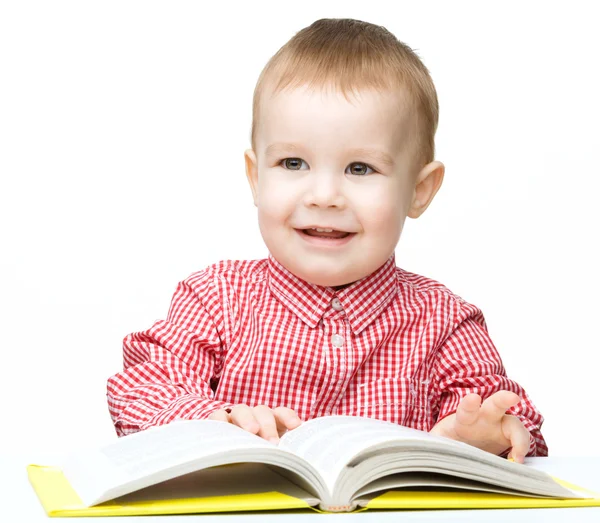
point(337, 341)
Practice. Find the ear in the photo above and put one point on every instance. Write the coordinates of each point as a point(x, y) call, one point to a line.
point(428, 182)
point(252, 173)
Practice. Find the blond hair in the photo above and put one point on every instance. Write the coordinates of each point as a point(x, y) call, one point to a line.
point(351, 55)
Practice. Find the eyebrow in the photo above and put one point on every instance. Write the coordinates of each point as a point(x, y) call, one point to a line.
point(360, 151)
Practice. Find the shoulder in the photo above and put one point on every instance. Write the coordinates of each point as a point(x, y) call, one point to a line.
point(433, 295)
point(411, 282)
point(236, 273)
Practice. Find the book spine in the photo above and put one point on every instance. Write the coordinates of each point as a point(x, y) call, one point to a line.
point(337, 508)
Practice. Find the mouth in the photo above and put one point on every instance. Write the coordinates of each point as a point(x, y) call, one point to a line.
point(317, 232)
point(325, 238)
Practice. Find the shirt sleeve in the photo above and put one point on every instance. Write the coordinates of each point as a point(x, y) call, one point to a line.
point(168, 368)
point(468, 362)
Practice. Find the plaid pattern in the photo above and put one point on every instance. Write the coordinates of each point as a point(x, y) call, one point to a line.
point(394, 346)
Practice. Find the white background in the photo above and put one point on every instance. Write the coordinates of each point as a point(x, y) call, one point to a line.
point(122, 131)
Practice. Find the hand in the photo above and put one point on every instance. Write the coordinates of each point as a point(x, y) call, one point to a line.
point(267, 423)
point(487, 426)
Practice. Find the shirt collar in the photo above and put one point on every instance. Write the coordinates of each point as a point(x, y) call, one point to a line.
point(362, 301)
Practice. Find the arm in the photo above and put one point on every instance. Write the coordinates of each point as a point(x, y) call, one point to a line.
point(467, 363)
point(169, 367)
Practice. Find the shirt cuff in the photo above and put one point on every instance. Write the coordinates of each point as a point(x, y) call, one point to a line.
point(182, 408)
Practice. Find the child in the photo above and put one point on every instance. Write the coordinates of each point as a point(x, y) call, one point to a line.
point(343, 129)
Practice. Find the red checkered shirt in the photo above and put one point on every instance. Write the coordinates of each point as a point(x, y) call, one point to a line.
point(394, 346)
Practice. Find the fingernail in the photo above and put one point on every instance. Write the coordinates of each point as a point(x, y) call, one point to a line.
point(274, 440)
point(511, 459)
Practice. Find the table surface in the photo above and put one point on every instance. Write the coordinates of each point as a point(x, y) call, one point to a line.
point(20, 503)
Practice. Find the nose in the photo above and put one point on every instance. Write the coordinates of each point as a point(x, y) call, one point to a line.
point(324, 190)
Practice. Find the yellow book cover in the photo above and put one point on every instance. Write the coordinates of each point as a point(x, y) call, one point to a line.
point(210, 466)
point(60, 500)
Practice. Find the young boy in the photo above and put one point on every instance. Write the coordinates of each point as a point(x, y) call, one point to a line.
point(344, 120)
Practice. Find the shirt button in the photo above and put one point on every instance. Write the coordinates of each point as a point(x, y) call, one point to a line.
point(337, 304)
point(337, 341)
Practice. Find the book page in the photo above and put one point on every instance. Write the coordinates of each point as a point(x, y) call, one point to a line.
point(428, 481)
point(330, 443)
point(158, 454)
point(144, 452)
point(352, 452)
point(225, 481)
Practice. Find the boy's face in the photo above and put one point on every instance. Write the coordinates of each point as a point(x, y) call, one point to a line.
point(323, 161)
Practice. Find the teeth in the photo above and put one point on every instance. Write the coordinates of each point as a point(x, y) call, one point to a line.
point(321, 230)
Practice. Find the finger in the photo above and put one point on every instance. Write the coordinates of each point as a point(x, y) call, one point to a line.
point(242, 416)
point(220, 415)
point(445, 426)
point(286, 419)
point(514, 430)
point(268, 426)
point(467, 412)
point(497, 404)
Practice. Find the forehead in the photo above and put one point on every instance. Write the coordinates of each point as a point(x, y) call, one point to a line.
point(328, 117)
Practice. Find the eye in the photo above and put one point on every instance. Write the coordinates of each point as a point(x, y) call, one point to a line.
point(360, 169)
point(356, 168)
point(292, 164)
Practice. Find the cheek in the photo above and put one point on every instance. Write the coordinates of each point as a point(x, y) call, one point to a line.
point(383, 213)
point(274, 203)
point(267, 214)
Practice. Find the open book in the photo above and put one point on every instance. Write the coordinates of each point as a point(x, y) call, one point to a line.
point(336, 463)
